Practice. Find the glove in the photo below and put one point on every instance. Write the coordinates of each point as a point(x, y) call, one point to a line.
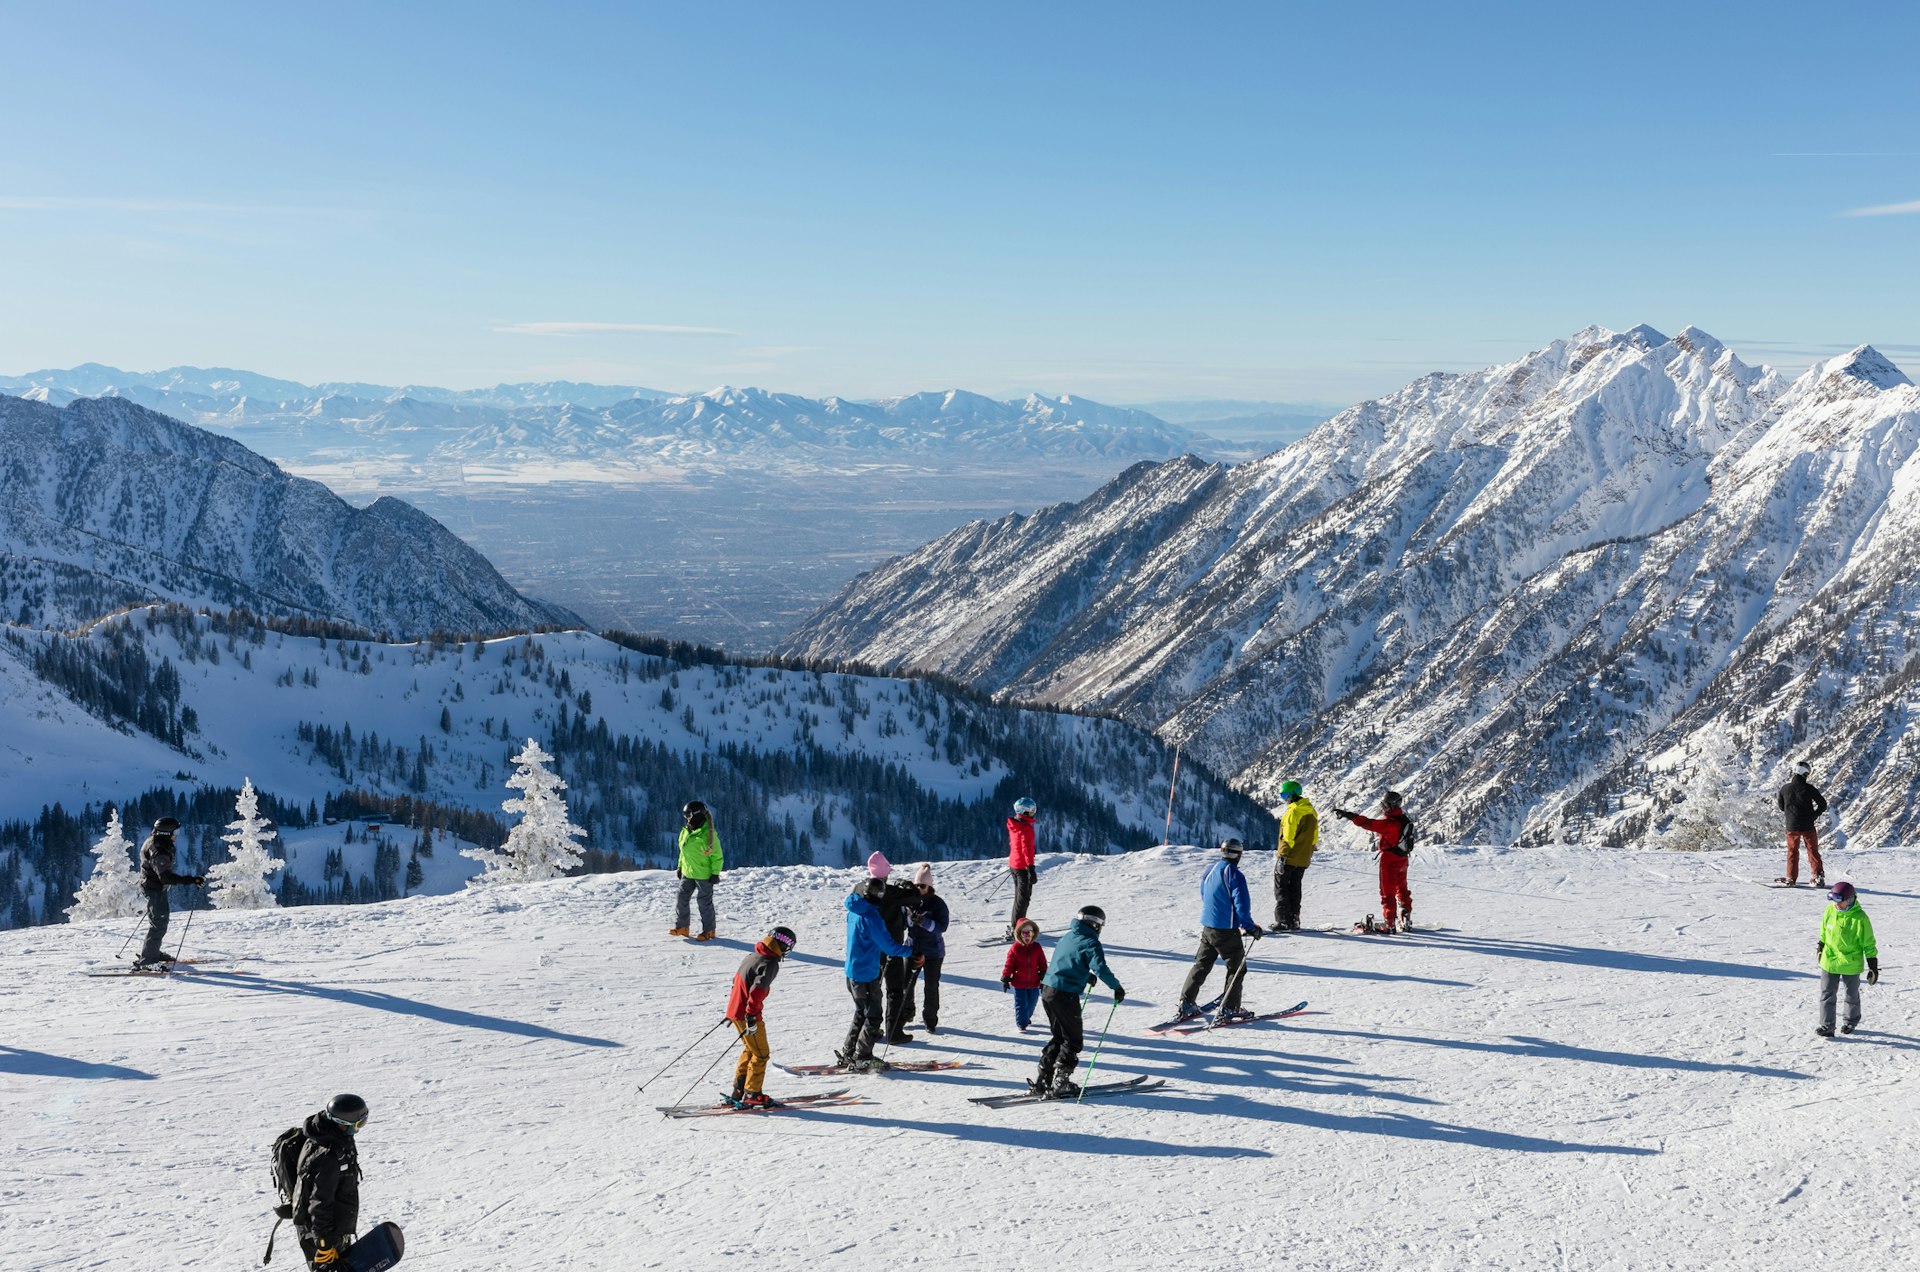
point(1119, 995)
point(716, 876)
point(1873, 971)
point(1254, 934)
point(1092, 983)
point(1819, 948)
point(677, 874)
point(325, 1256)
point(1006, 982)
point(1341, 812)
point(753, 1026)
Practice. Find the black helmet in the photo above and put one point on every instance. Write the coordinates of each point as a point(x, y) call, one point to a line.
point(349, 1112)
point(1231, 849)
point(693, 812)
point(783, 939)
point(874, 889)
point(1092, 915)
point(1391, 799)
point(166, 826)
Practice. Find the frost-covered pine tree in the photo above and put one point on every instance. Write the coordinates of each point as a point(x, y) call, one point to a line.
point(1719, 808)
point(540, 846)
point(112, 891)
point(240, 883)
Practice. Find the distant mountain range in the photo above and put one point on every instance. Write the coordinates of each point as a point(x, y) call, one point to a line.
point(590, 432)
point(1521, 595)
point(106, 504)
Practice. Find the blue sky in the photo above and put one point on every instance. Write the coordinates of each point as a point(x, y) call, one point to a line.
point(1129, 201)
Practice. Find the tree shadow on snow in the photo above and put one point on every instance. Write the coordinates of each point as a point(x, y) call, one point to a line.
point(1398, 1125)
point(40, 1064)
point(1617, 960)
point(406, 1007)
point(1547, 1049)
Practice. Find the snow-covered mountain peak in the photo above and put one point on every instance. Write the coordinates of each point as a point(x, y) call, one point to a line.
point(1864, 364)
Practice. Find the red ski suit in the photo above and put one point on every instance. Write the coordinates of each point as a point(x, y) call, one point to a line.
point(1019, 843)
point(1395, 896)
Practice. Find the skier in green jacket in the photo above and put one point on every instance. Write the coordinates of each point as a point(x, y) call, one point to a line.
point(1846, 941)
point(699, 870)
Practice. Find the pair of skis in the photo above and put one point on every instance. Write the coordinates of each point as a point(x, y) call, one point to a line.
point(893, 1066)
point(1202, 1022)
point(1098, 1090)
point(791, 1104)
point(179, 966)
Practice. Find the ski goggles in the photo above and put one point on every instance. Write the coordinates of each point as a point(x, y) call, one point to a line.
point(352, 1124)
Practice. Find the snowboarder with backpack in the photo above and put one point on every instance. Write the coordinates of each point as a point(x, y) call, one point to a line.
point(746, 1008)
point(322, 1182)
point(1021, 856)
point(1226, 915)
point(1393, 841)
point(868, 942)
point(1846, 942)
point(698, 868)
point(1801, 802)
point(1079, 960)
point(1299, 836)
point(157, 859)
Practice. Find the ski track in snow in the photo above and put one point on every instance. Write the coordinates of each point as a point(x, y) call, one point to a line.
point(1583, 1070)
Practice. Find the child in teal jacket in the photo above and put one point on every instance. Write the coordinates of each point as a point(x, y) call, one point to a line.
point(1846, 941)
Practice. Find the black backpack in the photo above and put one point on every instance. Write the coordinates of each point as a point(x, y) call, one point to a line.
point(1406, 836)
point(286, 1167)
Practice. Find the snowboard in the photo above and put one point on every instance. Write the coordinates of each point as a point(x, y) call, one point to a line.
point(378, 1250)
point(1142, 1083)
point(1197, 1024)
point(904, 1066)
point(789, 1104)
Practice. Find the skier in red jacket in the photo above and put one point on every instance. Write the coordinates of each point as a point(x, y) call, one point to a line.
point(744, 1008)
point(1020, 855)
point(1393, 839)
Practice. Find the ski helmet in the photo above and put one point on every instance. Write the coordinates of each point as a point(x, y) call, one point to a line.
point(1093, 916)
point(782, 939)
point(1801, 768)
point(1025, 807)
point(1290, 790)
point(1231, 849)
point(1391, 799)
point(1842, 894)
point(166, 826)
point(349, 1112)
point(694, 813)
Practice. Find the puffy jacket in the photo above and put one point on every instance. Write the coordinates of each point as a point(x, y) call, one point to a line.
point(1019, 843)
point(867, 940)
point(1078, 957)
point(326, 1183)
point(928, 926)
point(895, 900)
point(1846, 940)
point(1224, 900)
point(1801, 802)
point(700, 852)
point(1387, 831)
point(1026, 965)
point(752, 982)
point(156, 864)
point(1299, 833)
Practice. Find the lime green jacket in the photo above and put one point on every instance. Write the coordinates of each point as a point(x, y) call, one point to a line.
point(1299, 833)
point(700, 852)
point(1846, 940)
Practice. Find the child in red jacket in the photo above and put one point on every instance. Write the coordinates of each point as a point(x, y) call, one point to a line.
point(1025, 967)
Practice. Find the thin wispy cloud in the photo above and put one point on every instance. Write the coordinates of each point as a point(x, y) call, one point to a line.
point(134, 206)
point(608, 329)
point(1886, 209)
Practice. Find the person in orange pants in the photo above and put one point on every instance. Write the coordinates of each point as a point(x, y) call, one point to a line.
point(745, 1007)
point(1800, 801)
point(1393, 838)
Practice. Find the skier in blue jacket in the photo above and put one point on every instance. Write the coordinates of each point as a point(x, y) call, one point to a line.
point(868, 942)
point(1078, 960)
point(1226, 912)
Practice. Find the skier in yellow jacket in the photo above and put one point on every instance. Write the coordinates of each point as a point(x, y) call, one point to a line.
point(1299, 836)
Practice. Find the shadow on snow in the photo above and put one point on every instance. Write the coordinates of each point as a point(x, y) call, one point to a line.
point(40, 1064)
point(404, 1007)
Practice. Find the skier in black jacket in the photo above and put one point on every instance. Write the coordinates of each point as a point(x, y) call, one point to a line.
point(326, 1190)
point(896, 899)
point(156, 876)
point(1801, 802)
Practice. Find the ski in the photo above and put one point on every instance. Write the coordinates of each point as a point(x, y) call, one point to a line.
point(904, 1066)
point(1205, 1026)
point(793, 1103)
point(1205, 1008)
point(181, 968)
point(1098, 1089)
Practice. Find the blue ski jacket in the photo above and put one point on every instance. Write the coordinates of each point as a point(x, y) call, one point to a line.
point(868, 940)
point(1224, 900)
point(1078, 957)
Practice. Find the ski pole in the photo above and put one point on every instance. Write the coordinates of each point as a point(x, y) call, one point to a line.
point(904, 995)
point(1096, 1051)
point(130, 936)
point(677, 1059)
point(999, 881)
point(182, 945)
point(1171, 785)
point(703, 1074)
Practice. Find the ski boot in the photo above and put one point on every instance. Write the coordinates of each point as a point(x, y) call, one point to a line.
point(1187, 1010)
point(1229, 1017)
point(1063, 1089)
point(757, 1100)
point(1819, 881)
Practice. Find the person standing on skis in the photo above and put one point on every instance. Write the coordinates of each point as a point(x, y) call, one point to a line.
point(1393, 840)
point(867, 944)
point(1800, 801)
point(746, 1008)
point(699, 869)
point(1226, 914)
point(1078, 960)
point(1299, 836)
point(1020, 858)
point(157, 858)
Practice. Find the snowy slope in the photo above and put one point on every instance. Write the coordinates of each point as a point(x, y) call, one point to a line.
point(1601, 1060)
point(1527, 589)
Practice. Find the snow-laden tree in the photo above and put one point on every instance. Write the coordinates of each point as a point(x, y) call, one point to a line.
point(540, 846)
point(112, 891)
point(240, 883)
point(1719, 808)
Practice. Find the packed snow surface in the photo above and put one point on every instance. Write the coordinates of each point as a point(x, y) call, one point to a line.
point(1590, 1059)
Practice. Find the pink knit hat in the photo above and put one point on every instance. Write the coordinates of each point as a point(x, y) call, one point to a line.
point(923, 877)
point(878, 866)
